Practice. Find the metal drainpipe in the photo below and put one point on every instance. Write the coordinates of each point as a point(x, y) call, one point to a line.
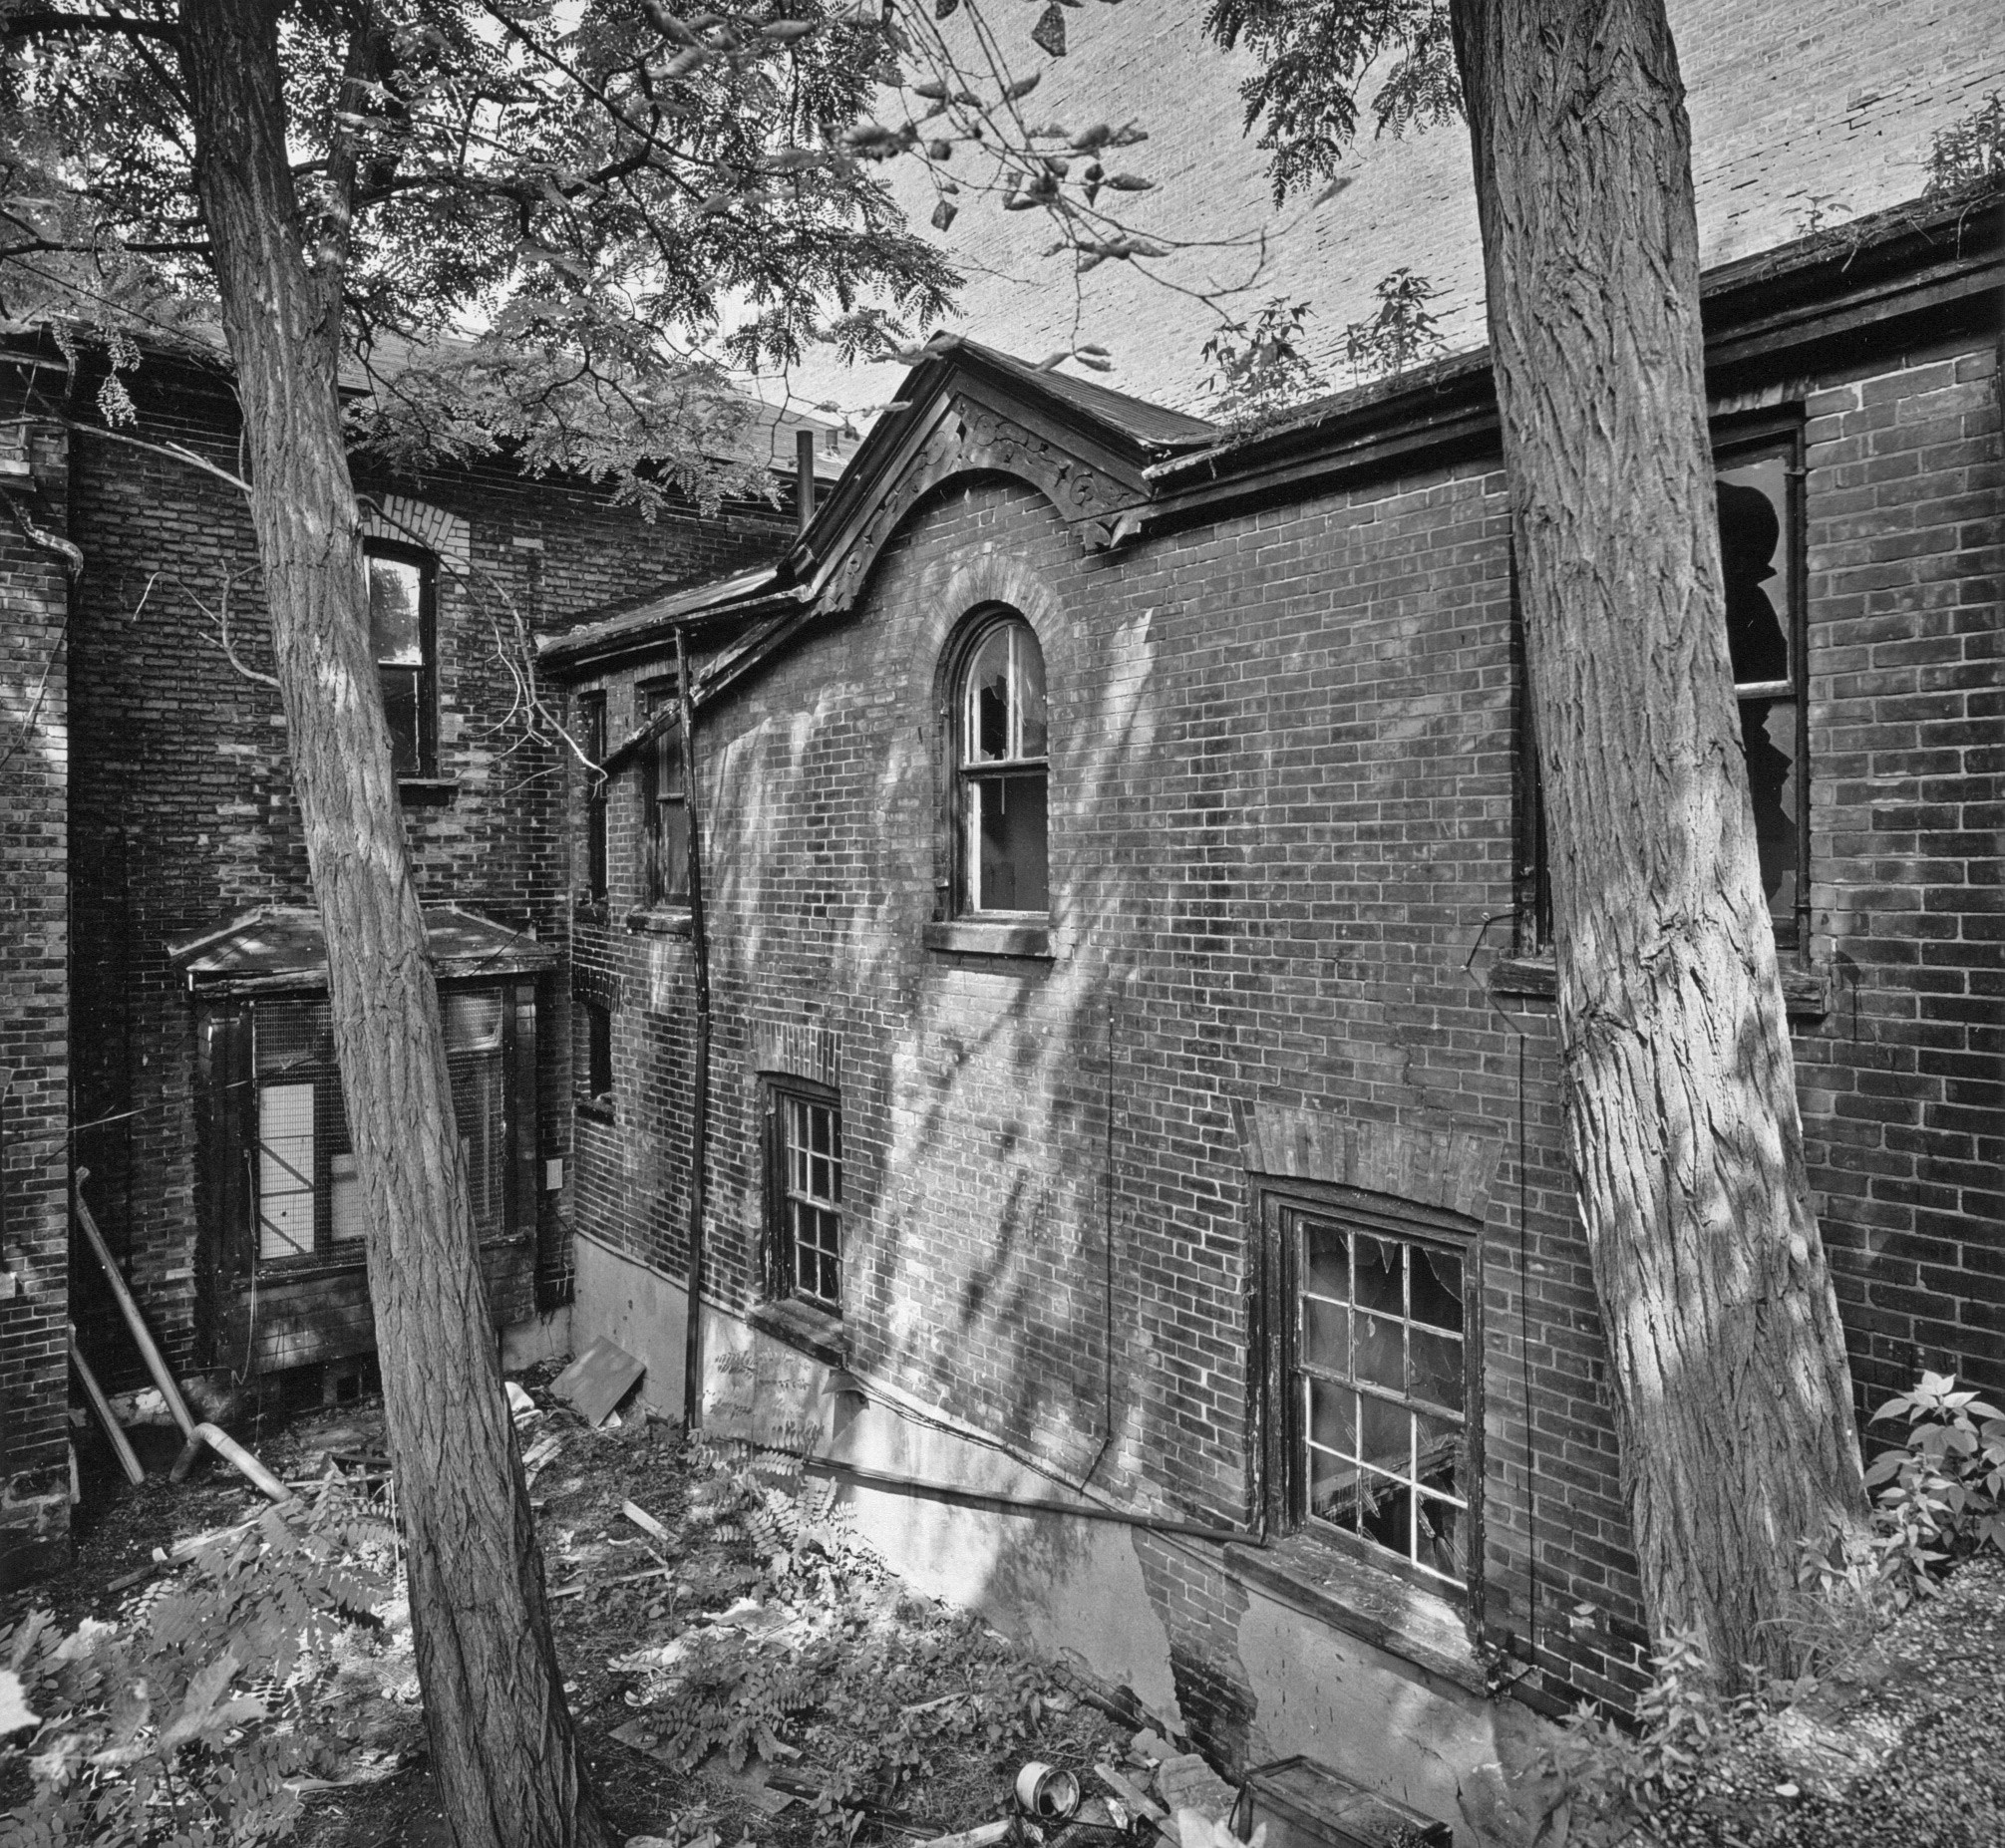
point(699, 940)
point(804, 472)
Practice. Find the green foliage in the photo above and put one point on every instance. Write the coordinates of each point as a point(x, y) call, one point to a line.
point(1941, 1492)
point(1692, 1762)
point(1969, 150)
point(1402, 332)
point(1314, 57)
point(181, 1722)
point(1258, 370)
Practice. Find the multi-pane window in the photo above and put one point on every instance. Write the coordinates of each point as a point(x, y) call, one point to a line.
point(401, 636)
point(1761, 524)
point(591, 741)
point(1002, 776)
point(806, 1195)
point(664, 805)
point(1373, 1373)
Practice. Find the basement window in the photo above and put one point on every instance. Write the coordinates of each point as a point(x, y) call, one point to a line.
point(1371, 1380)
point(805, 1194)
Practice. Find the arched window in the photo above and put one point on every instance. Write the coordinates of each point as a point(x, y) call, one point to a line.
point(1001, 778)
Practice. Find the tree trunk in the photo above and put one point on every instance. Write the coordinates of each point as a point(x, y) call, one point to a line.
point(1733, 1393)
point(509, 1769)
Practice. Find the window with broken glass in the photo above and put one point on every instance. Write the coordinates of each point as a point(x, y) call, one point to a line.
point(1002, 774)
point(1759, 480)
point(592, 743)
point(403, 635)
point(805, 1168)
point(1372, 1383)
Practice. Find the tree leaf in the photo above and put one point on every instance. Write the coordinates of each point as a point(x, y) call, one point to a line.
point(1048, 35)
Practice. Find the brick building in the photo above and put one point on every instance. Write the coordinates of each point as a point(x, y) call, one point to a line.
point(1130, 1064)
point(165, 1040)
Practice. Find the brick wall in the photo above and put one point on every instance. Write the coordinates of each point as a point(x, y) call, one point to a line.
point(34, 1010)
point(1804, 112)
point(1283, 837)
point(182, 798)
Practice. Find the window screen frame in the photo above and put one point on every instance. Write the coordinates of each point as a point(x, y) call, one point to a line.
point(427, 565)
point(591, 724)
point(664, 875)
point(1736, 442)
point(964, 774)
point(777, 1092)
point(1280, 1461)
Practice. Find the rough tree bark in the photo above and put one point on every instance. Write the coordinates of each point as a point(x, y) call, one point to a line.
point(510, 1768)
point(1733, 1393)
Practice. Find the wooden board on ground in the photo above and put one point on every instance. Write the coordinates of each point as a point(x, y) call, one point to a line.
point(598, 1379)
point(765, 1396)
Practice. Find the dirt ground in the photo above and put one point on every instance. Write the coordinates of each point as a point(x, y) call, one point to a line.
point(748, 1673)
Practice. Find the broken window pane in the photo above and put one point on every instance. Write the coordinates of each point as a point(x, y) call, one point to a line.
point(1437, 1287)
point(1003, 792)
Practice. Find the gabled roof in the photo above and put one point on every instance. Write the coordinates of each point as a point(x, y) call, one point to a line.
point(284, 947)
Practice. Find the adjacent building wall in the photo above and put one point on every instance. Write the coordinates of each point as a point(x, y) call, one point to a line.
point(35, 593)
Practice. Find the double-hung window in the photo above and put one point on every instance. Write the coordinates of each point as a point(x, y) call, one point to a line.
point(664, 804)
point(1001, 774)
point(1371, 1381)
point(403, 636)
point(805, 1194)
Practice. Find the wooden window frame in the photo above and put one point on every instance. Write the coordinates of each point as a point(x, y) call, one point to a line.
point(591, 722)
point(426, 699)
point(664, 871)
point(781, 1285)
point(963, 775)
point(1280, 1459)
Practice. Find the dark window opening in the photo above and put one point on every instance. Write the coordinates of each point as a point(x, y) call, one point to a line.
point(1761, 553)
point(1002, 774)
point(403, 636)
point(1373, 1381)
point(664, 805)
point(594, 1052)
point(591, 741)
point(805, 1194)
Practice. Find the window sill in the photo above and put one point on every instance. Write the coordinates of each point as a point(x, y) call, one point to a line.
point(800, 1324)
point(1804, 992)
point(428, 791)
point(589, 910)
point(592, 1110)
point(1350, 1594)
point(990, 937)
point(660, 920)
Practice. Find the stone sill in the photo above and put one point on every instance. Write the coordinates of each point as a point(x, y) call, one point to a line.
point(428, 791)
point(1803, 991)
point(660, 920)
point(593, 1110)
point(589, 910)
point(814, 1332)
point(1348, 1593)
point(990, 937)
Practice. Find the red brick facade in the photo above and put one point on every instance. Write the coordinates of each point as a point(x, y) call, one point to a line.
point(1287, 842)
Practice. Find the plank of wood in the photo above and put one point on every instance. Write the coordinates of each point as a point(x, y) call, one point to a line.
point(598, 1379)
point(646, 1522)
point(1131, 1793)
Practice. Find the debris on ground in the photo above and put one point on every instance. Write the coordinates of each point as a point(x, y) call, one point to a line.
point(598, 1380)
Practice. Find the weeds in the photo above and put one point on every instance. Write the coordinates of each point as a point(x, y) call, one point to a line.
point(183, 1721)
point(1969, 150)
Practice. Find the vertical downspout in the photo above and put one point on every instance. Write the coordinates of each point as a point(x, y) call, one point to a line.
point(699, 941)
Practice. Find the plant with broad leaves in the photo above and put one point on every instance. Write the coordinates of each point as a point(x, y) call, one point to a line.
point(1940, 1492)
point(1969, 152)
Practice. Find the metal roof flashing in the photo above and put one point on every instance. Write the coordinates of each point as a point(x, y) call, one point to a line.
point(284, 947)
